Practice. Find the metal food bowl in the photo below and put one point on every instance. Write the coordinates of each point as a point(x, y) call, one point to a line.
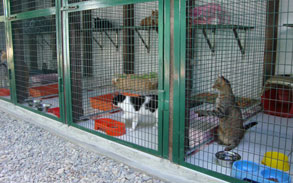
point(30, 102)
point(43, 107)
point(37, 102)
point(227, 158)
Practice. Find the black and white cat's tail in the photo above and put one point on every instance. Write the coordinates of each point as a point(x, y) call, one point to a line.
point(249, 125)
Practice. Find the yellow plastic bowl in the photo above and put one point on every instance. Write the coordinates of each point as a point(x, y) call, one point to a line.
point(276, 160)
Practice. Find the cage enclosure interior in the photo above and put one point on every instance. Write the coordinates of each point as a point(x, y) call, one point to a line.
point(238, 87)
point(114, 54)
point(35, 62)
point(4, 70)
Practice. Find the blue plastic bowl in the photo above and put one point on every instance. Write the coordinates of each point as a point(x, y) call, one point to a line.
point(247, 166)
point(273, 175)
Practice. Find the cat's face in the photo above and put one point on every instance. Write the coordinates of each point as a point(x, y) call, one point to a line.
point(221, 83)
point(155, 13)
point(118, 99)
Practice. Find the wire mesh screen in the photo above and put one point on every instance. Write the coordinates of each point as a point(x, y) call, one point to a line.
point(35, 62)
point(1, 8)
point(18, 6)
point(4, 78)
point(239, 76)
point(114, 71)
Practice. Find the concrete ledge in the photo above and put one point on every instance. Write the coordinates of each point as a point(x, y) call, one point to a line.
point(152, 165)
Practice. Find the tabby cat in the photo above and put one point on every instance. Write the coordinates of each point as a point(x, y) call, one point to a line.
point(231, 129)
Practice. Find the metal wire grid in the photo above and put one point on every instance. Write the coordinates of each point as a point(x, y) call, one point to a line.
point(1, 8)
point(4, 78)
point(109, 45)
point(207, 57)
point(35, 61)
point(19, 6)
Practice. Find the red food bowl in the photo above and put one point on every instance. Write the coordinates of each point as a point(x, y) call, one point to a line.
point(4, 92)
point(110, 127)
point(55, 111)
point(278, 102)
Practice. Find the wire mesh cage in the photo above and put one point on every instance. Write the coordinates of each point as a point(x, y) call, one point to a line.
point(1, 8)
point(35, 63)
point(19, 6)
point(4, 74)
point(238, 95)
point(114, 53)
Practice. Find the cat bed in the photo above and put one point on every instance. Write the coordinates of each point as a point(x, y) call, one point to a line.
point(4, 92)
point(201, 129)
point(44, 78)
point(277, 97)
point(136, 82)
point(151, 20)
point(110, 127)
point(45, 90)
point(242, 102)
point(102, 24)
point(210, 13)
point(104, 102)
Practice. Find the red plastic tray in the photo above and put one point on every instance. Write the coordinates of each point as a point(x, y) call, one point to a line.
point(110, 127)
point(55, 111)
point(4, 92)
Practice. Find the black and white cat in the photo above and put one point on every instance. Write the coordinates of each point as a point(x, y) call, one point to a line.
point(137, 108)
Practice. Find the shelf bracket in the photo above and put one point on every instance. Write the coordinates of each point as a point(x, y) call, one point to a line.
point(100, 44)
point(146, 45)
point(111, 40)
point(241, 47)
point(212, 44)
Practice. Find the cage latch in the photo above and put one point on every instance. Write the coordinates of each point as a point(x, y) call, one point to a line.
point(68, 8)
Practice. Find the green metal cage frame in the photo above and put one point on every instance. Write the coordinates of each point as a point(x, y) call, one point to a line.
point(163, 71)
point(8, 17)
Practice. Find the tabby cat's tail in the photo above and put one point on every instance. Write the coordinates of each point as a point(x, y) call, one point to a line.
point(249, 125)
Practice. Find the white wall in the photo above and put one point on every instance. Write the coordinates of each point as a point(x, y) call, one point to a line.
point(243, 71)
point(285, 36)
point(108, 62)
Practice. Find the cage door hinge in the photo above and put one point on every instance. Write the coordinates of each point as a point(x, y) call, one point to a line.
point(68, 8)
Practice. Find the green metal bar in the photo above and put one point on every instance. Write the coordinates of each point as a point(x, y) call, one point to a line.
point(66, 66)
point(2, 18)
point(213, 173)
point(147, 150)
point(38, 112)
point(161, 86)
point(88, 5)
point(178, 81)
point(166, 72)
point(60, 60)
point(33, 14)
point(9, 51)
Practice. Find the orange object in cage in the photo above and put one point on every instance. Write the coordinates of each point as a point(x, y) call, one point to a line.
point(110, 127)
point(104, 102)
point(4, 92)
point(39, 91)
